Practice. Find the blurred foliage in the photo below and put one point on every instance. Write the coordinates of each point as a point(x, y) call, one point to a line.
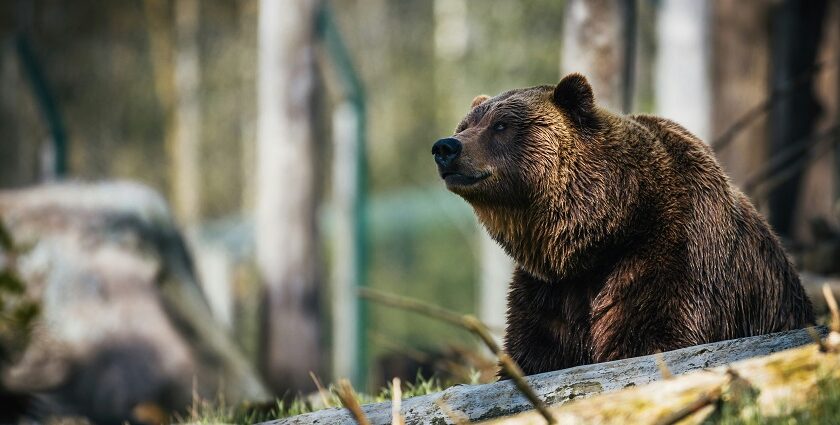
point(418, 90)
point(97, 57)
point(417, 94)
point(17, 310)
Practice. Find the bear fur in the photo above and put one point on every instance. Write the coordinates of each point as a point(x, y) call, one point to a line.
point(628, 237)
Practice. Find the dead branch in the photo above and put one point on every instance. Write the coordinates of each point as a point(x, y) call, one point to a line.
point(351, 402)
point(767, 104)
point(785, 164)
point(396, 399)
point(472, 324)
point(832, 306)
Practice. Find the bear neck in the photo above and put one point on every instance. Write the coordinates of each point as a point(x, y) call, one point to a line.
point(572, 232)
point(543, 242)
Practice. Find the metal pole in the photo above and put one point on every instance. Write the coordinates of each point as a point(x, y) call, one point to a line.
point(354, 92)
point(46, 104)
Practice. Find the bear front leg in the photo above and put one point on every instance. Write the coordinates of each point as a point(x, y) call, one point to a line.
point(638, 314)
point(547, 324)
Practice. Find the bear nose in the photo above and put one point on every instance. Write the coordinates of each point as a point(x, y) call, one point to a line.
point(446, 150)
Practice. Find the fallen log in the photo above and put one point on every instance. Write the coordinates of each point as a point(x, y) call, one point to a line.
point(480, 402)
point(777, 384)
point(122, 320)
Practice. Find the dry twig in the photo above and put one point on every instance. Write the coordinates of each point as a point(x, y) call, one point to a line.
point(812, 331)
point(512, 369)
point(662, 366)
point(785, 165)
point(458, 418)
point(472, 324)
point(705, 400)
point(711, 397)
point(351, 402)
point(321, 390)
point(767, 104)
point(396, 401)
point(832, 305)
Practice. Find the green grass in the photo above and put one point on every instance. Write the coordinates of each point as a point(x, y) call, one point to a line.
point(218, 412)
point(743, 410)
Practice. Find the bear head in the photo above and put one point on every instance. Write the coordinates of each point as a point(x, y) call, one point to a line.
point(507, 146)
point(527, 161)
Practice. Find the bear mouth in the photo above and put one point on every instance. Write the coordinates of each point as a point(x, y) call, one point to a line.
point(458, 179)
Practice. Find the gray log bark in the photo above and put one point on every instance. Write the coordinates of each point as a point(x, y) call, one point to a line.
point(762, 390)
point(479, 402)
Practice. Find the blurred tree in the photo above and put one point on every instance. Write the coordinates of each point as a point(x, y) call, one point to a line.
point(797, 32)
point(682, 70)
point(836, 200)
point(177, 78)
point(451, 41)
point(26, 103)
point(740, 71)
point(247, 36)
point(286, 199)
point(18, 121)
point(599, 42)
point(184, 151)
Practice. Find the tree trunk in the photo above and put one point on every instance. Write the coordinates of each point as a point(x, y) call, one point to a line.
point(836, 23)
point(740, 66)
point(496, 270)
point(248, 16)
point(186, 113)
point(286, 201)
point(18, 148)
point(797, 31)
point(598, 41)
point(682, 70)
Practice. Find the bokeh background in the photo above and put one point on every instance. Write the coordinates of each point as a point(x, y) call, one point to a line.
point(291, 140)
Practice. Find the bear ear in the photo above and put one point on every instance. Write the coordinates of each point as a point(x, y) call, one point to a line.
point(479, 100)
point(573, 95)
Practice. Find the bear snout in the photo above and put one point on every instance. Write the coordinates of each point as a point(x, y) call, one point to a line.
point(445, 151)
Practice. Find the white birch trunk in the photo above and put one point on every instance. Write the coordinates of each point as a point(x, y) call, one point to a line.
point(187, 113)
point(496, 271)
point(593, 45)
point(285, 204)
point(683, 88)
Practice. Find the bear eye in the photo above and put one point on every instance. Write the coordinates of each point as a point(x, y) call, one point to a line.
point(499, 126)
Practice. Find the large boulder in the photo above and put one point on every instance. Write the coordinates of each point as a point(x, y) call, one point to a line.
point(122, 322)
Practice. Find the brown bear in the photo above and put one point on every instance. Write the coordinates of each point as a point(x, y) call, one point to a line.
point(628, 237)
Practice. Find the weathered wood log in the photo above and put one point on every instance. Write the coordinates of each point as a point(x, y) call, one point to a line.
point(781, 383)
point(123, 322)
point(479, 402)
